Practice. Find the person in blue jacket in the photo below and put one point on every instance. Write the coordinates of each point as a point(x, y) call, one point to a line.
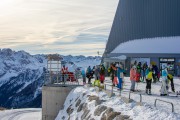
point(83, 73)
point(120, 74)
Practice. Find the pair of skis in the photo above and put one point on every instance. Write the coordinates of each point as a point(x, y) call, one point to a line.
point(176, 94)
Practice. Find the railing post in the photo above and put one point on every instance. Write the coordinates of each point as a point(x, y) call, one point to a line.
point(120, 92)
point(129, 94)
point(104, 86)
point(155, 102)
point(112, 89)
point(140, 98)
point(165, 102)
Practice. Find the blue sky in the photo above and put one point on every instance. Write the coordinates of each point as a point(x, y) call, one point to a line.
point(76, 27)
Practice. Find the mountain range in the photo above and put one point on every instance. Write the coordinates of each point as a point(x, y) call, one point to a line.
point(22, 76)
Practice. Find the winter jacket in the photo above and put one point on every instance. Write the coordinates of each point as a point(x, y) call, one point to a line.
point(149, 74)
point(102, 70)
point(97, 83)
point(83, 73)
point(96, 72)
point(120, 72)
point(133, 74)
point(164, 74)
point(144, 67)
point(89, 70)
point(64, 70)
point(139, 69)
point(170, 77)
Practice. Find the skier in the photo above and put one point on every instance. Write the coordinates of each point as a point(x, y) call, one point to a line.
point(120, 75)
point(170, 78)
point(83, 76)
point(149, 76)
point(133, 78)
point(145, 66)
point(102, 73)
point(164, 81)
point(112, 73)
point(89, 74)
point(138, 73)
point(64, 72)
point(115, 80)
point(155, 73)
point(96, 72)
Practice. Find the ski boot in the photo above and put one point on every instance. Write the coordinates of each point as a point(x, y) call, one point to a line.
point(149, 92)
point(146, 91)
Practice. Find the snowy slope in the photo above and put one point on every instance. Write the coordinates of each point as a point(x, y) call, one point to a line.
point(22, 76)
point(81, 95)
point(21, 114)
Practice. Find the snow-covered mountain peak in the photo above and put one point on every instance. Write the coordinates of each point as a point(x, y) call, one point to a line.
point(22, 75)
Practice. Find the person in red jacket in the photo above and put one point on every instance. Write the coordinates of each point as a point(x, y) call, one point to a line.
point(64, 72)
point(133, 78)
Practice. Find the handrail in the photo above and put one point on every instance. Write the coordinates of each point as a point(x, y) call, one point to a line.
point(109, 85)
point(165, 102)
point(61, 79)
point(130, 94)
point(140, 98)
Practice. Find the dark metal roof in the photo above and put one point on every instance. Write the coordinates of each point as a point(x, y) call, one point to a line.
point(137, 19)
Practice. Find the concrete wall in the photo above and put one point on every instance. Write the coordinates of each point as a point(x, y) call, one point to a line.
point(53, 99)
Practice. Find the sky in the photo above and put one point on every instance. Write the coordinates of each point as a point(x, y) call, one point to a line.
point(76, 27)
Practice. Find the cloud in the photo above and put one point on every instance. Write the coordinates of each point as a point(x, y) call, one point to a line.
point(63, 26)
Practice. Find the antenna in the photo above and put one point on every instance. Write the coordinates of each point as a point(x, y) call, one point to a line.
point(98, 53)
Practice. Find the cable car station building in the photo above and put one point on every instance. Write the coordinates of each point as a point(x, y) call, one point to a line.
point(145, 31)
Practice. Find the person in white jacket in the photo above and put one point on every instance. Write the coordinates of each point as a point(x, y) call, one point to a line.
point(164, 91)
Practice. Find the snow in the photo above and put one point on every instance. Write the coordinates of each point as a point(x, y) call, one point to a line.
point(21, 114)
point(146, 112)
point(150, 45)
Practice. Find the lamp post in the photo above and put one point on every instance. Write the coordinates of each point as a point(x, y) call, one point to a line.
point(98, 53)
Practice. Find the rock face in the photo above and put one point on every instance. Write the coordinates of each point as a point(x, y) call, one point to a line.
point(106, 113)
point(112, 115)
point(69, 110)
point(81, 107)
point(123, 117)
point(85, 114)
point(109, 114)
point(99, 110)
point(91, 98)
point(98, 101)
point(78, 102)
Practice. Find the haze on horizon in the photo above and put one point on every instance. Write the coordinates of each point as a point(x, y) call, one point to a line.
point(76, 27)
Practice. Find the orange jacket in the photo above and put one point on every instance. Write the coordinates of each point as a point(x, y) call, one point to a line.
point(64, 70)
point(133, 74)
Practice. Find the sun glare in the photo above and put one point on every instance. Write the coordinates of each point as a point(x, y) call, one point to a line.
point(5, 3)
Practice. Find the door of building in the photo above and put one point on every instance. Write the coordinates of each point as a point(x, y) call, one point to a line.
point(169, 63)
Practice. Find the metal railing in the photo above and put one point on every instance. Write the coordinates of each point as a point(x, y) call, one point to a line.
point(165, 102)
point(140, 96)
point(58, 78)
point(107, 84)
point(130, 94)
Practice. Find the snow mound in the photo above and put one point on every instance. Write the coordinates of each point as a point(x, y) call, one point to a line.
point(86, 103)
